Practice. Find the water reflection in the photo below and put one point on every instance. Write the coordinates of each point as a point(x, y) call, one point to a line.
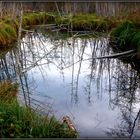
point(127, 100)
point(101, 95)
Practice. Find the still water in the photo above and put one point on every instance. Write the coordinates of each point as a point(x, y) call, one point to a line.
point(61, 76)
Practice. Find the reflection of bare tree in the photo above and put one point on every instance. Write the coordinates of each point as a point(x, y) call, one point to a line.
point(73, 60)
point(91, 76)
point(72, 53)
point(98, 67)
point(26, 86)
point(80, 64)
point(126, 97)
point(4, 68)
point(127, 126)
point(63, 53)
point(122, 82)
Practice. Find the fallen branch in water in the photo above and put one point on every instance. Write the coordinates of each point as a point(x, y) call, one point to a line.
point(105, 57)
point(29, 31)
point(116, 55)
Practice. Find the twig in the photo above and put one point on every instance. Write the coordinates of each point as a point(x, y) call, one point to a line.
point(29, 31)
point(116, 55)
point(134, 124)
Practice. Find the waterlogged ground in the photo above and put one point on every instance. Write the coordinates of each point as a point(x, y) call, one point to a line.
point(62, 76)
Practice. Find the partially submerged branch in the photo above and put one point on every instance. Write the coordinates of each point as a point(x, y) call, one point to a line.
point(116, 55)
point(134, 124)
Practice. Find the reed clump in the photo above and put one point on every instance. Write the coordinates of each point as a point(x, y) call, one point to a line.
point(126, 36)
point(123, 34)
point(8, 33)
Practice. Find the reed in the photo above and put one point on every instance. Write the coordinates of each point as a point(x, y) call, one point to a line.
point(8, 33)
point(127, 36)
point(123, 34)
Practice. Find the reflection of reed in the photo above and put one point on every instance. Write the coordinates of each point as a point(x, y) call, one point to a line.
point(92, 74)
point(5, 67)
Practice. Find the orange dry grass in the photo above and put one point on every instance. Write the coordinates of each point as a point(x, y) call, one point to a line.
point(8, 91)
point(134, 17)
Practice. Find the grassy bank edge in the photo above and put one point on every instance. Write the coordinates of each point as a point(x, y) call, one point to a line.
point(23, 122)
point(126, 37)
point(79, 22)
point(9, 27)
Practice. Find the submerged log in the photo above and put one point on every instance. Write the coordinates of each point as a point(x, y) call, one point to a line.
point(116, 55)
point(68, 122)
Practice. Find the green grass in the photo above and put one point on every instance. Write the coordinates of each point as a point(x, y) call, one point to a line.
point(83, 22)
point(8, 91)
point(123, 35)
point(135, 40)
point(7, 33)
point(9, 27)
point(23, 122)
point(127, 36)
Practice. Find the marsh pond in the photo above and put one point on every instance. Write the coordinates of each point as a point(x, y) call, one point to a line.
point(63, 75)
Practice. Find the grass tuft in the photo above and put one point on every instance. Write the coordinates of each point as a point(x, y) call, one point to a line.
point(123, 35)
point(127, 36)
point(8, 91)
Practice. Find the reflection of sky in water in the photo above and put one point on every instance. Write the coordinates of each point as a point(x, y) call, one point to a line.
point(91, 119)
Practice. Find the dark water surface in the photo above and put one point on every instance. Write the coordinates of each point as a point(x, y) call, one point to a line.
point(60, 76)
